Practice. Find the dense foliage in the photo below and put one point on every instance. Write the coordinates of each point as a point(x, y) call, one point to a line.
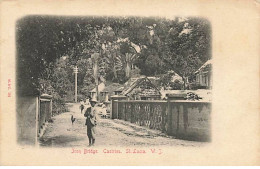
point(49, 47)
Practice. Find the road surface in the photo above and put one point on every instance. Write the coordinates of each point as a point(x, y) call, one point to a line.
point(61, 133)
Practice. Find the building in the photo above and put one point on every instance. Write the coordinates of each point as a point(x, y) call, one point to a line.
point(105, 92)
point(103, 96)
point(141, 88)
point(93, 92)
point(204, 76)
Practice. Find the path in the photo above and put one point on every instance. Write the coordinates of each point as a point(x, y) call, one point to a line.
point(61, 133)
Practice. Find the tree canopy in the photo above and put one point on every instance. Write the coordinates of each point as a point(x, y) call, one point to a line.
point(49, 47)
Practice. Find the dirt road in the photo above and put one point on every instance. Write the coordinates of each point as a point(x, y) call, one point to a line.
point(61, 133)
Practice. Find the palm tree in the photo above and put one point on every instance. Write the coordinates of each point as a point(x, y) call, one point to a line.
point(126, 62)
point(110, 57)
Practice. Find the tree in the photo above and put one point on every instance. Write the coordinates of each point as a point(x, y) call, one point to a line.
point(89, 80)
point(187, 46)
point(154, 45)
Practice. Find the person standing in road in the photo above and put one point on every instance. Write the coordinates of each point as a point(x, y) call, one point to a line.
point(91, 122)
point(81, 105)
point(87, 102)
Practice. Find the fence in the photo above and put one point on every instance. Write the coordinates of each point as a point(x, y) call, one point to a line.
point(183, 119)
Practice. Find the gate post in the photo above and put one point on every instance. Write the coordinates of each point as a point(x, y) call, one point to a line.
point(45, 112)
point(114, 107)
point(114, 110)
point(169, 114)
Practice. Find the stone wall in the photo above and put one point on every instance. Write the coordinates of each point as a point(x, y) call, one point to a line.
point(26, 119)
point(183, 119)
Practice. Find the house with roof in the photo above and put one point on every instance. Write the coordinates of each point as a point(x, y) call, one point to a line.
point(204, 75)
point(93, 92)
point(141, 88)
point(136, 88)
point(110, 90)
point(105, 91)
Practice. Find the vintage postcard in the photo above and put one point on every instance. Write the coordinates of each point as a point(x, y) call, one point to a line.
point(129, 83)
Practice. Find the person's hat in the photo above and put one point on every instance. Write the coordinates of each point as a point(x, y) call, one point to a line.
point(94, 100)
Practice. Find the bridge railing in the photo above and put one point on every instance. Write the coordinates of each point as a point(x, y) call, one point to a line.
point(183, 119)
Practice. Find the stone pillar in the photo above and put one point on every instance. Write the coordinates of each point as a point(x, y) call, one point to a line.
point(113, 108)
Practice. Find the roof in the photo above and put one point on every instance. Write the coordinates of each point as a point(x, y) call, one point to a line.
point(110, 88)
point(209, 62)
point(132, 83)
point(120, 89)
point(176, 77)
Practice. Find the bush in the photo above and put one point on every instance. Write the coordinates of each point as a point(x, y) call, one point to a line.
point(176, 85)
